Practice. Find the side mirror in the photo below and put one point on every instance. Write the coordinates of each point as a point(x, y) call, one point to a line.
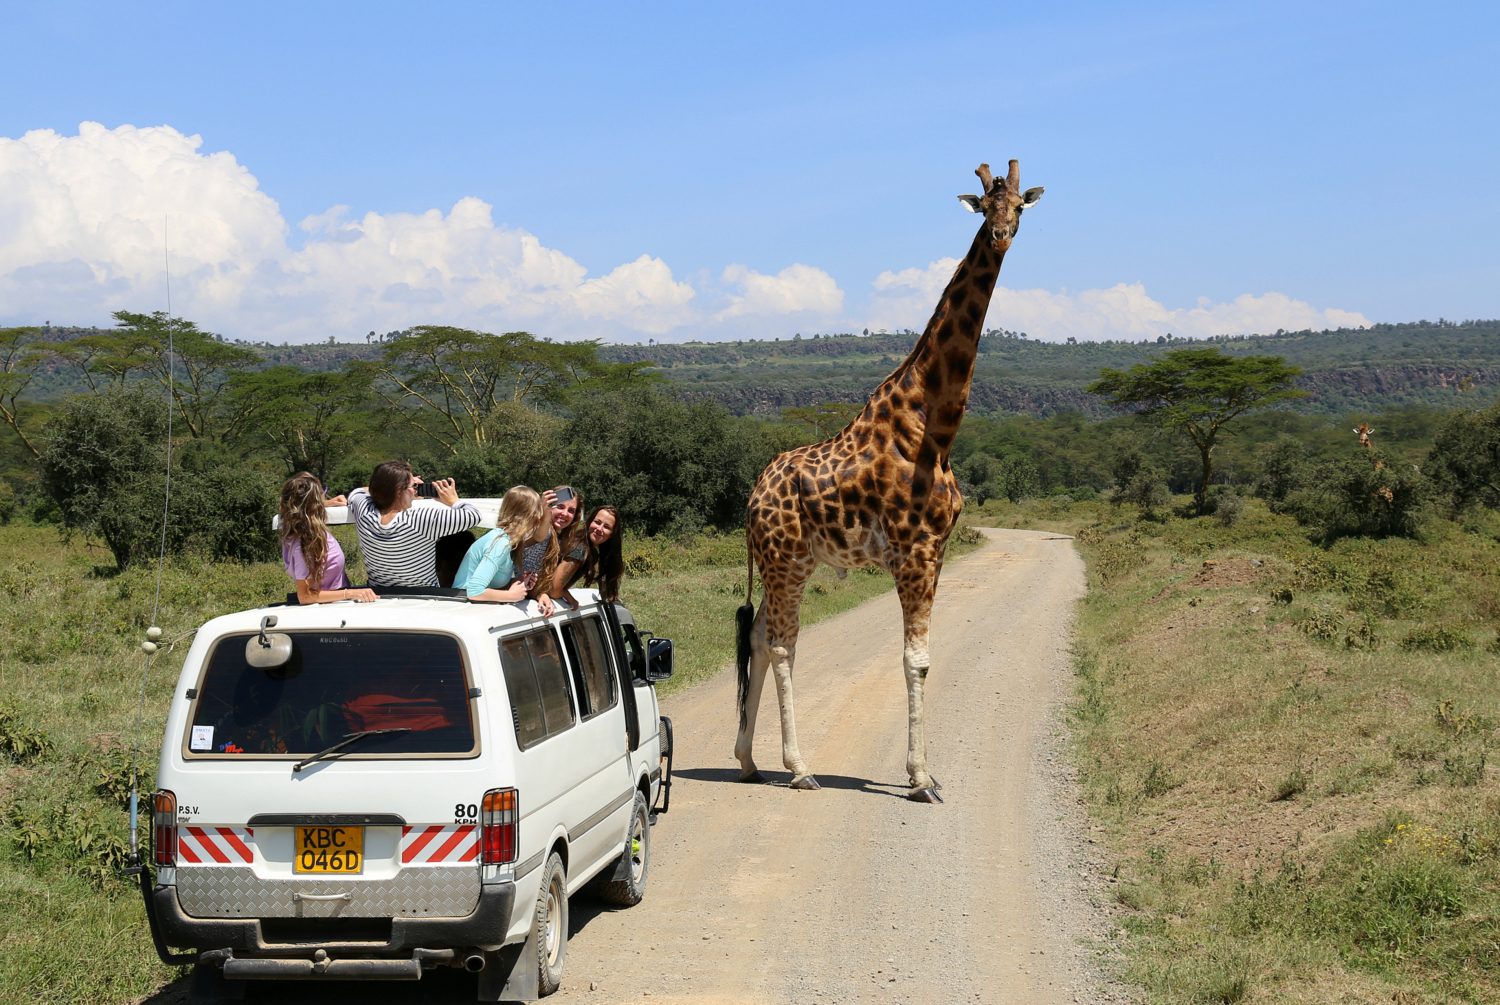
point(658, 660)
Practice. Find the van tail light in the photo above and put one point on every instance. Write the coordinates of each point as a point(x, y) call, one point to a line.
point(164, 828)
point(499, 827)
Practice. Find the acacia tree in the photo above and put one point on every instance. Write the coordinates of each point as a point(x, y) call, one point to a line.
point(1199, 391)
point(197, 367)
point(20, 355)
point(459, 386)
point(308, 417)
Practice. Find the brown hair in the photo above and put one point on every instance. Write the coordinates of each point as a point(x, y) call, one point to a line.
point(567, 537)
point(304, 519)
point(606, 563)
point(386, 483)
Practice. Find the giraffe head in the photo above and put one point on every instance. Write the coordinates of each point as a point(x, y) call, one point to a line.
point(1001, 204)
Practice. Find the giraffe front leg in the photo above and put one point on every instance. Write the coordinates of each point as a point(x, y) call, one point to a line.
point(782, 658)
point(916, 592)
point(760, 660)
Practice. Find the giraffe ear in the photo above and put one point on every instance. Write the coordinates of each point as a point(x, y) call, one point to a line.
point(1031, 197)
point(971, 202)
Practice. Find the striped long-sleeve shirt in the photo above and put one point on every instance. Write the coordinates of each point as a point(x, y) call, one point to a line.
point(401, 553)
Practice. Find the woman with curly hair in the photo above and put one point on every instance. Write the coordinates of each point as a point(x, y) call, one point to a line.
point(311, 554)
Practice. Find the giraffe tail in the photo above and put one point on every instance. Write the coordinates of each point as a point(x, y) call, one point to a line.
point(744, 622)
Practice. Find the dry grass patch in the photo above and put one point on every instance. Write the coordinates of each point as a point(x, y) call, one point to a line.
point(1302, 802)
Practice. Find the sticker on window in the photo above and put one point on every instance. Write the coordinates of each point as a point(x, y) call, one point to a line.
point(203, 738)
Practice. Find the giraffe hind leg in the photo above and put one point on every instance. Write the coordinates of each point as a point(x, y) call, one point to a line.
point(760, 661)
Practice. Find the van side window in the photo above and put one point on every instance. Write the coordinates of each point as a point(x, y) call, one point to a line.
point(538, 687)
point(596, 685)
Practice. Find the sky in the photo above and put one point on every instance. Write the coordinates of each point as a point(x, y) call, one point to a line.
point(694, 171)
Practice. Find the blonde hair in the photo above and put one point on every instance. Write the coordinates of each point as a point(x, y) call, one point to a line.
point(523, 516)
point(304, 519)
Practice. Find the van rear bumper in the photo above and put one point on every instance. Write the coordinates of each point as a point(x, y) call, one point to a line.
point(484, 927)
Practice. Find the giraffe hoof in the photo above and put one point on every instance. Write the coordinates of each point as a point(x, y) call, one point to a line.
point(807, 782)
point(927, 795)
point(935, 783)
point(754, 778)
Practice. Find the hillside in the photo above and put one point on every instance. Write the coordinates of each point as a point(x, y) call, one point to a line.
point(1348, 370)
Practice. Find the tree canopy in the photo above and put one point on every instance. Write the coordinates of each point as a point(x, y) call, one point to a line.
point(1199, 391)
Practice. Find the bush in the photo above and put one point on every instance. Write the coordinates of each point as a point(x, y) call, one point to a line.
point(1464, 463)
point(1284, 470)
point(1437, 639)
point(103, 467)
point(1226, 504)
point(662, 460)
point(1367, 494)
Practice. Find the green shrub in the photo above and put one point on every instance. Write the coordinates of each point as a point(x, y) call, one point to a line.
point(1367, 494)
point(21, 741)
point(1437, 638)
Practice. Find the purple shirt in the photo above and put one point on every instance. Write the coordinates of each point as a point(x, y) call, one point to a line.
point(333, 565)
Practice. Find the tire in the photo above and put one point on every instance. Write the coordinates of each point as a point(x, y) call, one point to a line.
point(637, 853)
point(551, 926)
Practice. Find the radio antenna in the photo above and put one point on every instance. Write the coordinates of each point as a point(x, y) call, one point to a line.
point(153, 633)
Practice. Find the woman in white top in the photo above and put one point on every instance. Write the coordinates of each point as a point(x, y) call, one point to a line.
point(398, 542)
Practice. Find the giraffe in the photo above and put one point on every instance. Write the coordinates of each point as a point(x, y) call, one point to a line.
point(879, 493)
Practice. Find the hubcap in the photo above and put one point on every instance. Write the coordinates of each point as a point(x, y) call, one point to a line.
point(554, 931)
point(637, 850)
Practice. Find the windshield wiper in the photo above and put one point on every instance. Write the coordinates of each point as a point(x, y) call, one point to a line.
point(348, 739)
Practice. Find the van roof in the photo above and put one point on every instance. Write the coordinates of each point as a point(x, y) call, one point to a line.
point(399, 613)
point(489, 512)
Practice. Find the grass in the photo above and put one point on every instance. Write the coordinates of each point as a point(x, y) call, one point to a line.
point(1287, 747)
point(70, 674)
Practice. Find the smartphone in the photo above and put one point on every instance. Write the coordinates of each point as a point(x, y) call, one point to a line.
point(427, 490)
point(564, 494)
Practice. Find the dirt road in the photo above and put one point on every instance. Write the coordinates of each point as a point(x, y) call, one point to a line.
point(853, 893)
point(759, 893)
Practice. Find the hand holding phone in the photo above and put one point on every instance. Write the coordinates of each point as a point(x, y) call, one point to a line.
point(529, 578)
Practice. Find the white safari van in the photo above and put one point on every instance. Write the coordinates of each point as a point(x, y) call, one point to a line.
point(367, 791)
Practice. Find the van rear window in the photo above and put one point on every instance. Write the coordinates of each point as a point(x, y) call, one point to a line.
point(336, 683)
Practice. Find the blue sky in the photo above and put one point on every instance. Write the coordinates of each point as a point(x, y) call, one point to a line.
point(1259, 162)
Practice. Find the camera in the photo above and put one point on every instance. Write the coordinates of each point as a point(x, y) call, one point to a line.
point(428, 488)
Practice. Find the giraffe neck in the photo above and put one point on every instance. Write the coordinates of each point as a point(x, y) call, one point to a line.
point(934, 380)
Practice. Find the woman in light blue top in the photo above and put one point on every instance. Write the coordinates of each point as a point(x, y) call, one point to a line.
point(488, 571)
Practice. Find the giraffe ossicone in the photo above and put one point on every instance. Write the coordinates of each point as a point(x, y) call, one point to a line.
point(878, 493)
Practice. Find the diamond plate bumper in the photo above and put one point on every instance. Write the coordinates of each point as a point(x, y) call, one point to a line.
point(484, 926)
point(236, 892)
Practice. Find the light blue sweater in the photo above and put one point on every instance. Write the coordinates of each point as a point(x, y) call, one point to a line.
point(487, 565)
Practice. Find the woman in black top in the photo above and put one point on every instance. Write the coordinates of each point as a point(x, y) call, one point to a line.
point(594, 555)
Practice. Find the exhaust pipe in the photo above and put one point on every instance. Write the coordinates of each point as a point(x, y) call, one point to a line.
point(474, 961)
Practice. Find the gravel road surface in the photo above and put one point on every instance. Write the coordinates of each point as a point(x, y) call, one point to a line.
point(759, 893)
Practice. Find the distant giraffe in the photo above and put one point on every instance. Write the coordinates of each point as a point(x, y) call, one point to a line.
point(1363, 431)
point(878, 493)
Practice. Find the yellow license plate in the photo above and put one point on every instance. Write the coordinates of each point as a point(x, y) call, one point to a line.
point(330, 850)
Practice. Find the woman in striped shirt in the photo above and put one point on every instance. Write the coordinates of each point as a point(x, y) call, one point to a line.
point(397, 541)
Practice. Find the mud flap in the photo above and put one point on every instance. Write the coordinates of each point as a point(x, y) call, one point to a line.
point(511, 973)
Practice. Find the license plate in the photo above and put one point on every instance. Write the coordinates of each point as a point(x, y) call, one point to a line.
point(330, 850)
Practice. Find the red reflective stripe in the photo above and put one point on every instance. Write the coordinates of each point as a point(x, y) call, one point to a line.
point(228, 834)
point(186, 852)
point(208, 845)
point(416, 846)
point(471, 854)
point(451, 843)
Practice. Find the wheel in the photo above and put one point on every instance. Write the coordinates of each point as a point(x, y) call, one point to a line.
point(637, 853)
point(551, 921)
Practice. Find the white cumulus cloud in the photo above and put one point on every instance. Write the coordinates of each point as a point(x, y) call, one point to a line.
point(906, 299)
point(82, 223)
point(795, 289)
